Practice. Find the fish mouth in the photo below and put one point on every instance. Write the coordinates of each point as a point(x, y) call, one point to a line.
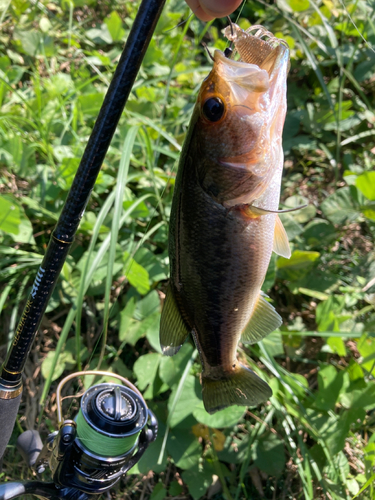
point(260, 60)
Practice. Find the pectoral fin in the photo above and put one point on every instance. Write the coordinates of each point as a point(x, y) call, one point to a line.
point(280, 241)
point(173, 329)
point(263, 321)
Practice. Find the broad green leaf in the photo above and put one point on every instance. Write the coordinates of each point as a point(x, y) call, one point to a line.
point(301, 142)
point(70, 346)
point(274, 344)
point(337, 431)
point(145, 369)
point(172, 367)
point(10, 215)
point(141, 211)
point(147, 306)
point(186, 402)
point(366, 348)
point(319, 232)
point(298, 5)
point(99, 35)
point(361, 398)
point(328, 312)
point(149, 460)
point(175, 489)
point(184, 448)
point(159, 492)
point(319, 281)
point(302, 215)
point(300, 263)
point(114, 25)
point(236, 448)
point(30, 41)
point(368, 483)
point(90, 103)
point(223, 418)
point(269, 446)
point(337, 346)
point(198, 479)
point(25, 230)
point(339, 207)
point(126, 317)
point(153, 333)
point(292, 227)
point(66, 361)
point(148, 260)
point(136, 274)
point(355, 371)
point(59, 84)
point(366, 184)
point(330, 382)
point(68, 169)
point(270, 278)
point(370, 453)
point(135, 328)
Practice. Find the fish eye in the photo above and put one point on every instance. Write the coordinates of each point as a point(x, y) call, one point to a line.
point(213, 109)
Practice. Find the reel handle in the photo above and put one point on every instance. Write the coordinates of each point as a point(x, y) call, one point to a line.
point(29, 444)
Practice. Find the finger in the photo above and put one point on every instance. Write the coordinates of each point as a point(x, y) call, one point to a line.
point(198, 11)
point(219, 8)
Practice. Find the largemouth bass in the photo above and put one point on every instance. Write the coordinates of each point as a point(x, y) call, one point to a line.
point(224, 223)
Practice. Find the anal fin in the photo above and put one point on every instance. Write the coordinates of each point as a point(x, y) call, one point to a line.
point(280, 241)
point(263, 321)
point(173, 329)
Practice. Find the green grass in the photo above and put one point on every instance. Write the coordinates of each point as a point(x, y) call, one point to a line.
point(315, 437)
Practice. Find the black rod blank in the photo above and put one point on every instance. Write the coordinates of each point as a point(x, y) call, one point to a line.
point(114, 102)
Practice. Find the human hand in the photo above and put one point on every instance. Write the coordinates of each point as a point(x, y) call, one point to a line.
point(206, 10)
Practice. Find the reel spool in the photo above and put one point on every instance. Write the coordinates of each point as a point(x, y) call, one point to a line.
point(107, 437)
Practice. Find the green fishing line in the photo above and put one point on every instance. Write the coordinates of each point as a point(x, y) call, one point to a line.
point(103, 445)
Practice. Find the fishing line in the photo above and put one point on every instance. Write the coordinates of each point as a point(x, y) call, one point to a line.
point(101, 444)
point(241, 9)
point(179, 24)
point(208, 51)
point(228, 52)
point(355, 26)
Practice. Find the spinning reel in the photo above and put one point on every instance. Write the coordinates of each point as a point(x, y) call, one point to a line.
point(89, 454)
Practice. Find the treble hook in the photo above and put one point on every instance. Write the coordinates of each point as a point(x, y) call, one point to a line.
point(208, 51)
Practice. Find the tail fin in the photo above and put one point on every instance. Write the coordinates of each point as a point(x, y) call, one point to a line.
point(242, 387)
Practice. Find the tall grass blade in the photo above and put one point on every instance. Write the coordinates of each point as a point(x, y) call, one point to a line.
point(119, 197)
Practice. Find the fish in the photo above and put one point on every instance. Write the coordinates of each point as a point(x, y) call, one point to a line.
point(224, 221)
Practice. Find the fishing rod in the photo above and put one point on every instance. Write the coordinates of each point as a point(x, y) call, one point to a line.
point(63, 235)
